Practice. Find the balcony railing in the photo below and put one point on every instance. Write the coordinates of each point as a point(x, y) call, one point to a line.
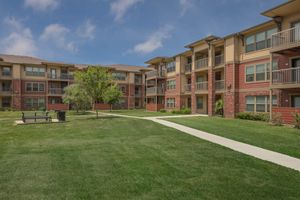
point(5, 90)
point(6, 73)
point(188, 88)
point(286, 76)
point(219, 85)
point(61, 77)
point(201, 86)
point(201, 63)
point(138, 94)
point(188, 68)
point(219, 60)
point(286, 39)
point(138, 81)
point(158, 74)
point(155, 91)
point(56, 91)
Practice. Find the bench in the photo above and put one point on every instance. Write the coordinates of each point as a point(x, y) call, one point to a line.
point(36, 117)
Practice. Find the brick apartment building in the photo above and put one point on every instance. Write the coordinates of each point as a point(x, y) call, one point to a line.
point(255, 70)
point(28, 83)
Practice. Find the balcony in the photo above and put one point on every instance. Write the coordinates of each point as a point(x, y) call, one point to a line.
point(286, 78)
point(155, 74)
point(188, 68)
point(188, 88)
point(5, 91)
point(155, 91)
point(219, 60)
point(138, 81)
point(56, 91)
point(286, 39)
point(219, 85)
point(6, 73)
point(201, 63)
point(201, 86)
point(63, 76)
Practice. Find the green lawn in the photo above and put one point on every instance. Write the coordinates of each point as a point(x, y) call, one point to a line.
point(120, 158)
point(140, 113)
point(281, 139)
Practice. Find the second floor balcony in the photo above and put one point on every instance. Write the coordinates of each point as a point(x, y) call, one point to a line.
point(62, 76)
point(188, 68)
point(155, 91)
point(201, 86)
point(6, 90)
point(286, 39)
point(56, 91)
point(201, 63)
point(219, 85)
point(286, 77)
point(156, 74)
point(219, 60)
point(188, 88)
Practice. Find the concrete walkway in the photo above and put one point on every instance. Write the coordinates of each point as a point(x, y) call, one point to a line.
point(257, 152)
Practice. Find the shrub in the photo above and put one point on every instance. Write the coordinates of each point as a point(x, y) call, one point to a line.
point(276, 119)
point(253, 116)
point(184, 111)
point(219, 107)
point(162, 111)
point(297, 120)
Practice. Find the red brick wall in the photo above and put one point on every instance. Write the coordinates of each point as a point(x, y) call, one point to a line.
point(154, 107)
point(286, 113)
point(211, 92)
point(102, 106)
point(229, 97)
point(58, 107)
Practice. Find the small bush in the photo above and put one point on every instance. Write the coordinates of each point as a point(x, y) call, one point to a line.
point(276, 119)
point(162, 111)
point(183, 111)
point(253, 116)
point(297, 120)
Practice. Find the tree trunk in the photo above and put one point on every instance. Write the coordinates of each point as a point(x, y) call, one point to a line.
point(97, 114)
point(110, 107)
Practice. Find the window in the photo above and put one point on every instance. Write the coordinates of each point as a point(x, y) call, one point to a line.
point(171, 66)
point(170, 103)
point(120, 76)
point(6, 71)
point(259, 103)
point(122, 88)
point(250, 74)
point(171, 85)
point(36, 103)
point(259, 72)
point(259, 41)
point(35, 87)
point(199, 102)
point(35, 71)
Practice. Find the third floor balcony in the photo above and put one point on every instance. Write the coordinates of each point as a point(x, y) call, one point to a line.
point(156, 74)
point(201, 63)
point(286, 39)
point(62, 76)
point(188, 68)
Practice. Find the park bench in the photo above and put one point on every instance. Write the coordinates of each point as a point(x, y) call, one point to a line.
point(35, 117)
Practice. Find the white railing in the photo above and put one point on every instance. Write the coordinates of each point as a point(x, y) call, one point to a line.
point(219, 60)
point(201, 63)
point(286, 39)
point(188, 88)
point(220, 85)
point(62, 76)
point(286, 76)
point(57, 91)
point(156, 74)
point(188, 67)
point(155, 91)
point(201, 86)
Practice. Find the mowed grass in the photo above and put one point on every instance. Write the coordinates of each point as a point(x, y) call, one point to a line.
point(139, 113)
point(119, 158)
point(282, 139)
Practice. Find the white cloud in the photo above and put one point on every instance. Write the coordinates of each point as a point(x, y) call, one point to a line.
point(20, 40)
point(120, 7)
point(86, 30)
point(155, 41)
point(185, 5)
point(42, 5)
point(57, 34)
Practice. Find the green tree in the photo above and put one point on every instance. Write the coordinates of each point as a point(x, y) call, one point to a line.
point(96, 80)
point(76, 95)
point(112, 95)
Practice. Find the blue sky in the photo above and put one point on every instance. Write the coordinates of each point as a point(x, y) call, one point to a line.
point(119, 31)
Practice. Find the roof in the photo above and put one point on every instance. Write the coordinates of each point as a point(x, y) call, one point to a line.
point(257, 27)
point(21, 59)
point(156, 60)
point(208, 38)
point(129, 68)
point(289, 7)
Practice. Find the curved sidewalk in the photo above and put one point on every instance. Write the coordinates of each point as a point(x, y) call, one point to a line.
point(257, 152)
